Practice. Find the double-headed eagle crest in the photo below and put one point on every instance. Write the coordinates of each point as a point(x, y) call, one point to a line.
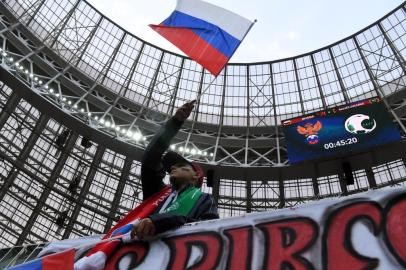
point(309, 129)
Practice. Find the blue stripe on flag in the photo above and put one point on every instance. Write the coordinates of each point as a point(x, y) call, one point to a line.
point(32, 265)
point(212, 34)
point(122, 230)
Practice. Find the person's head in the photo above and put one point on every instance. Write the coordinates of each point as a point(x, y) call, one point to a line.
point(182, 172)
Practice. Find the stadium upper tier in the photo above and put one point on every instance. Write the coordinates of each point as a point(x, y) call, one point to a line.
point(65, 67)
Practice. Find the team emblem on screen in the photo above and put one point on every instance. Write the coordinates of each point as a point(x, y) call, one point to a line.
point(360, 124)
point(310, 131)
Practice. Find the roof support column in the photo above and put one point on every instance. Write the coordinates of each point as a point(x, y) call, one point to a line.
point(282, 201)
point(371, 177)
point(395, 50)
point(278, 153)
point(50, 183)
point(127, 82)
point(339, 78)
point(39, 127)
point(315, 183)
point(298, 86)
point(247, 134)
point(119, 192)
point(249, 195)
point(377, 86)
point(151, 87)
point(216, 189)
point(103, 73)
point(40, 3)
point(87, 42)
point(61, 26)
point(84, 190)
point(343, 184)
point(322, 97)
point(315, 186)
point(9, 108)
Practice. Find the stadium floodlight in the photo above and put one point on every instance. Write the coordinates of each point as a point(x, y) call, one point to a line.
point(137, 136)
point(173, 147)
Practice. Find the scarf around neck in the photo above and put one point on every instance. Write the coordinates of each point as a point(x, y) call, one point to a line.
point(184, 202)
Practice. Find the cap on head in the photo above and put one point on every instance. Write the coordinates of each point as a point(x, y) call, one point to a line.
point(171, 158)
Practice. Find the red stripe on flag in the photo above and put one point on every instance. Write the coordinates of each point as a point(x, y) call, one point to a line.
point(194, 46)
point(61, 261)
point(107, 248)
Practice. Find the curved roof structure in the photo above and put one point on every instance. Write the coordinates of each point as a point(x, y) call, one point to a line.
point(81, 97)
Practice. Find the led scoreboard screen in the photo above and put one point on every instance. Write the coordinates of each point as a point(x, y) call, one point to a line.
point(356, 126)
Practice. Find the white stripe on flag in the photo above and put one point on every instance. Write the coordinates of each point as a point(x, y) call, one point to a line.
point(232, 23)
point(96, 261)
point(62, 245)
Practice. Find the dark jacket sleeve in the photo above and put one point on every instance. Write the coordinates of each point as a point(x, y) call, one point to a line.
point(205, 210)
point(152, 171)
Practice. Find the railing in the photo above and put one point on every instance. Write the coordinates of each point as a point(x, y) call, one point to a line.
point(19, 254)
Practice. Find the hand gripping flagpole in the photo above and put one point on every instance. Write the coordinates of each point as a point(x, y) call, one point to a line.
point(215, 77)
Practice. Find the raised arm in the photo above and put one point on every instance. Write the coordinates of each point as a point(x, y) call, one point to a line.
point(152, 171)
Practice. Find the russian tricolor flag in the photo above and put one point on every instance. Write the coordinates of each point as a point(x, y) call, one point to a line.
point(206, 33)
point(61, 261)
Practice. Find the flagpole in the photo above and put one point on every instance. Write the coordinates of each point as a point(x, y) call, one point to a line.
point(207, 87)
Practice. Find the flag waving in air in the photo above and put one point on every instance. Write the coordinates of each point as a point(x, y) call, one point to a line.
point(206, 33)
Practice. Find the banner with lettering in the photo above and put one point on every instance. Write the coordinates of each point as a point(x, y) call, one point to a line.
point(365, 231)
